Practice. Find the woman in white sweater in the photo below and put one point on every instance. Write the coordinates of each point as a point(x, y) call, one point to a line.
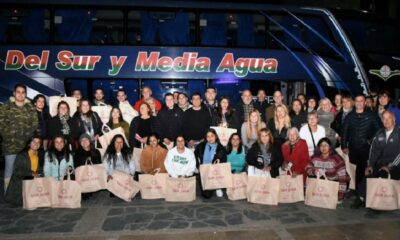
point(312, 132)
point(180, 160)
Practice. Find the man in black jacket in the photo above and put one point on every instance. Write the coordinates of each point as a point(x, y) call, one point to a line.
point(169, 120)
point(211, 104)
point(244, 107)
point(359, 128)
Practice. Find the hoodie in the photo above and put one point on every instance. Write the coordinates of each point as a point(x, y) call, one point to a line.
point(180, 164)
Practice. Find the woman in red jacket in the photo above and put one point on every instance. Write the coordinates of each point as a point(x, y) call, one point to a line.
point(295, 153)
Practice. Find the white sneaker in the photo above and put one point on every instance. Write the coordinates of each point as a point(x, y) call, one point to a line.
point(219, 193)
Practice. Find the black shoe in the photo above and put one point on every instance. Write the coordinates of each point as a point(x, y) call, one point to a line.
point(358, 203)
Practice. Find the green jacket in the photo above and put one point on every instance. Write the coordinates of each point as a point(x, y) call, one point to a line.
point(22, 170)
point(17, 125)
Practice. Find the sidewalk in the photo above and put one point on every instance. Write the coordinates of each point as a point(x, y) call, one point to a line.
point(102, 217)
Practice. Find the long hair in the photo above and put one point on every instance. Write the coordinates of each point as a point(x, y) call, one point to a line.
point(150, 112)
point(89, 114)
point(229, 146)
point(321, 101)
point(211, 130)
point(271, 139)
point(120, 119)
point(229, 109)
point(62, 103)
point(287, 117)
point(259, 124)
point(29, 141)
point(292, 113)
point(156, 136)
point(111, 153)
point(52, 149)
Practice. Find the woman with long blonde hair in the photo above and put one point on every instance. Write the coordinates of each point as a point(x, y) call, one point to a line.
point(280, 124)
point(251, 128)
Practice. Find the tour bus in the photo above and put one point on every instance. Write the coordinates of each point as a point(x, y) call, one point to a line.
point(184, 46)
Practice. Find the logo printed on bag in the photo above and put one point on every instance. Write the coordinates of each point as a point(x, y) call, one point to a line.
point(89, 173)
point(320, 189)
point(216, 175)
point(39, 189)
point(154, 182)
point(383, 192)
point(180, 185)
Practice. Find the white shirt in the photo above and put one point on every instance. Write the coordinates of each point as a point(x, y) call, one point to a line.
point(180, 164)
point(306, 135)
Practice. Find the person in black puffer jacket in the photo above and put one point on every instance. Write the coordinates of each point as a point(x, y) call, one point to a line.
point(359, 128)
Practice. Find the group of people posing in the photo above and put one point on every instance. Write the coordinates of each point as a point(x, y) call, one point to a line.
point(176, 137)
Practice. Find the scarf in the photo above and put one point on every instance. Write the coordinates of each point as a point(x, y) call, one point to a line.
point(65, 129)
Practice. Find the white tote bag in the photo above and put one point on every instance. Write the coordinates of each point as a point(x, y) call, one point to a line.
point(224, 134)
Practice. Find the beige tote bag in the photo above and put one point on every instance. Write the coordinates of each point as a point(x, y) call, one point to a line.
point(291, 189)
point(105, 140)
point(224, 134)
point(239, 189)
point(91, 177)
point(350, 168)
point(263, 190)
point(216, 176)
point(321, 193)
point(382, 194)
point(38, 192)
point(68, 193)
point(180, 189)
point(153, 186)
point(123, 186)
point(103, 111)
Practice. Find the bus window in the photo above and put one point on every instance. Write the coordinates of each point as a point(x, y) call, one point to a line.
point(161, 28)
point(18, 25)
point(88, 26)
point(246, 30)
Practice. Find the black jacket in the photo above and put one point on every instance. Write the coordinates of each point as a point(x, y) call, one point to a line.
point(213, 112)
point(170, 123)
point(96, 121)
point(276, 158)
point(382, 152)
point(261, 107)
point(43, 118)
point(337, 124)
point(231, 119)
point(220, 153)
point(136, 127)
point(195, 123)
point(298, 120)
point(54, 128)
point(279, 137)
point(240, 113)
point(359, 129)
point(81, 156)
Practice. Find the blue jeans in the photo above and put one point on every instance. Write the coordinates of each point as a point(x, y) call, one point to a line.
point(8, 170)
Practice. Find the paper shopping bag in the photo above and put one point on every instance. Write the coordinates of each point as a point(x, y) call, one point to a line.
point(180, 189)
point(350, 168)
point(91, 177)
point(103, 111)
point(382, 194)
point(153, 186)
point(239, 189)
point(263, 190)
point(68, 194)
point(38, 192)
point(291, 189)
point(123, 186)
point(321, 193)
point(216, 176)
point(105, 140)
point(224, 134)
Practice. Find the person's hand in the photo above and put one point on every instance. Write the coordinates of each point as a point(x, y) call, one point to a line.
point(385, 168)
point(294, 174)
point(369, 170)
point(109, 177)
point(346, 151)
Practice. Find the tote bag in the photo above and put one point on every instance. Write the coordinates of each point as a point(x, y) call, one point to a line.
point(239, 189)
point(68, 193)
point(153, 186)
point(38, 192)
point(123, 186)
point(382, 194)
point(263, 190)
point(291, 189)
point(216, 176)
point(91, 177)
point(321, 193)
point(180, 189)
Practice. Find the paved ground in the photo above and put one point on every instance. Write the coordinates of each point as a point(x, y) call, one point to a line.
point(102, 217)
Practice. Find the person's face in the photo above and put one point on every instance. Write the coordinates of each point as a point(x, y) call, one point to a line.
point(182, 99)
point(388, 121)
point(144, 110)
point(59, 144)
point(85, 107)
point(35, 144)
point(118, 144)
point(261, 95)
point(346, 103)
point(312, 103)
point(360, 103)
point(146, 92)
point(121, 96)
point(180, 143)
point(176, 95)
point(324, 148)
point(85, 143)
point(302, 99)
point(235, 141)
point(169, 101)
point(115, 113)
point(383, 100)
point(153, 141)
point(254, 117)
point(99, 95)
point(325, 106)
point(369, 103)
point(40, 103)
point(20, 94)
point(77, 94)
point(296, 106)
point(196, 101)
point(293, 136)
point(211, 138)
point(247, 97)
point(278, 97)
point(264, 137)
point(224, 104)
point(210, 95)
point(312, 120)
point(280, 113)
point(63, 110)
point(338, 100)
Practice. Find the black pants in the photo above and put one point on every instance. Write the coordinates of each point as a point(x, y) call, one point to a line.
point(204, 193)
point(394, 174)
point(359, 157)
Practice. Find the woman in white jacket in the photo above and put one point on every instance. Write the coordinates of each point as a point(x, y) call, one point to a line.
point(180, 160)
